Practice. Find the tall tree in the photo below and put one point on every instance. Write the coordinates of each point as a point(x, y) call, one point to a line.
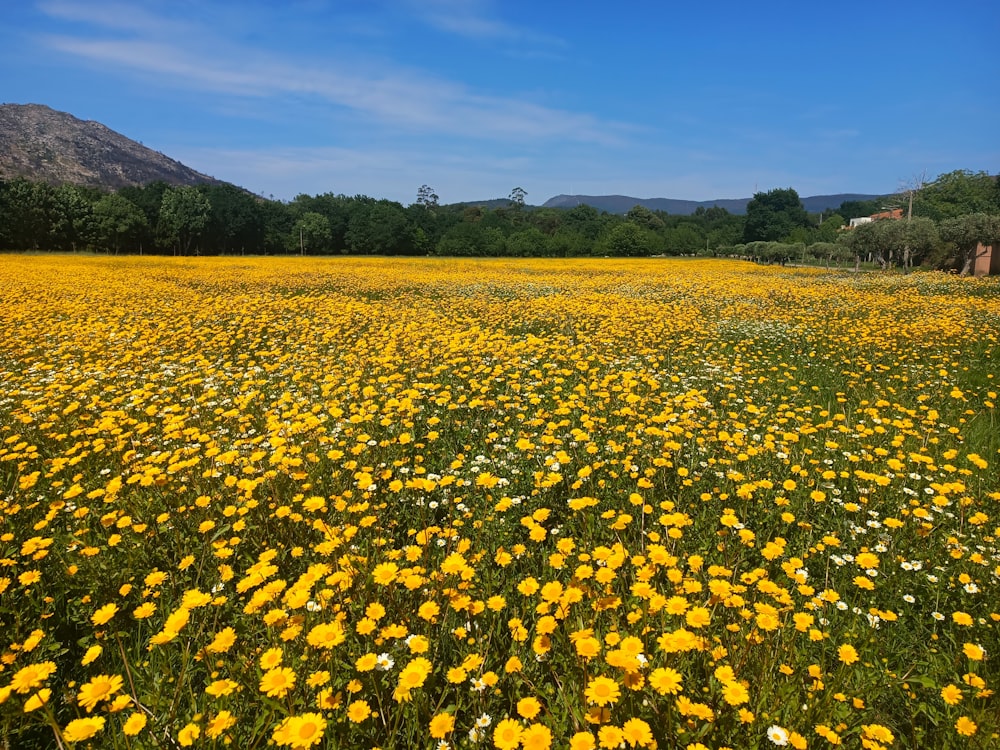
point(117, 221)
point(25, 214)
point(72, 219)
point(380, 228)
point(311, 233)
point(184, 215)
point(426, 197)
point(771, 216)
point(236, 223)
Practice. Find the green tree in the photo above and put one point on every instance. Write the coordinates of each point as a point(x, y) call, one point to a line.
point(628, 240)
point(426, 197)
point(184, 215)
point(25, 214)
point(856, 209)
point(830, 228)
point(643, 217)
point(71, 220)
point(528, 242)
point(968, 232)
point(584, 220)
point(773, 215)
point(311, 234)
point(920, 237)
point(380, 228)
point(957, 194)
point(118, 221)
point(236, 222)
point(880, 241)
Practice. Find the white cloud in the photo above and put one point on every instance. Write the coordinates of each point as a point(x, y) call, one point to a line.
point(392, 97)
point(475, 19)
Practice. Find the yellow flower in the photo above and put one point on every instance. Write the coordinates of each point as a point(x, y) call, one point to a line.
point(302, 731)
point(412, 676)
point(220, 688)
point(98, 689)
point(951, 694)
point(962, 618)
point(276, 682)
point(734, 693)
point(847, 654)
point(536, 737)
point(29, 677)
point(507, 735)
point(134, 724)
point(528, 708)
point(316, 679)
point(602, 691)
point(442, 725)
point(79, 730)
point(271, 658)
point(222, 642)
point(219, 724)
point(104, 614)
point(29, 577)
point(418, 644)
point(582, 741)
point(326, 635)
point(358, 711)
point(92, 653)
point(666, 681)
point(878, 733)
point(188, 734)
point(144, 610)
point(974, 651)
point(385, 573)
point(611, 737)
point(38, 700)
point(637, 733)
point(965, 726)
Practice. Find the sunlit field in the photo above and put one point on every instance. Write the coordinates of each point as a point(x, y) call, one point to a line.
point(355, 503)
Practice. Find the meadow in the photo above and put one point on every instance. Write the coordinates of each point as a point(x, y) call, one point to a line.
point(359, 503)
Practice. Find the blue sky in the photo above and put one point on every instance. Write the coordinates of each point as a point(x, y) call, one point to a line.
point(694, 100)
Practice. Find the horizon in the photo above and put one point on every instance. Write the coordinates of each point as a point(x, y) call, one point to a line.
point(475, 98)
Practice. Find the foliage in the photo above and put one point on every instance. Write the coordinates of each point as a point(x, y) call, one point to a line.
point(222, 219)
point(774, 215)
point(184, 214)
point(958, 193)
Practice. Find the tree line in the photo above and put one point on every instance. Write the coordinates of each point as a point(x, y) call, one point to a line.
point(942, 224)
point(224, 219)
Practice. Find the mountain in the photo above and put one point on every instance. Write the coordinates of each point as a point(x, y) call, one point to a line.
point(42, 144)
point(620, 204)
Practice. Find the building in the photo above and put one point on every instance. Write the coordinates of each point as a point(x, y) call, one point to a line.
point(987, 260)
point(892, 213)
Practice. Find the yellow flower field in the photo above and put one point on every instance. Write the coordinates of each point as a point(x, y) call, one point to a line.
point(362, 503)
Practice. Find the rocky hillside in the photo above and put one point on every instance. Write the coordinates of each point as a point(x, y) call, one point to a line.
point(39, 143)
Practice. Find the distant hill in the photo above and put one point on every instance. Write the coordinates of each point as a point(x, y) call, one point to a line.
point(42, 144)
point(620, 204)
point(492, 204)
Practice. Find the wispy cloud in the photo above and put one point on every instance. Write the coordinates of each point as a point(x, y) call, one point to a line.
point(394, 97)
point(477, 20)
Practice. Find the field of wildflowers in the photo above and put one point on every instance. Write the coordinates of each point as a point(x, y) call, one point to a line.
point(493, 504)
